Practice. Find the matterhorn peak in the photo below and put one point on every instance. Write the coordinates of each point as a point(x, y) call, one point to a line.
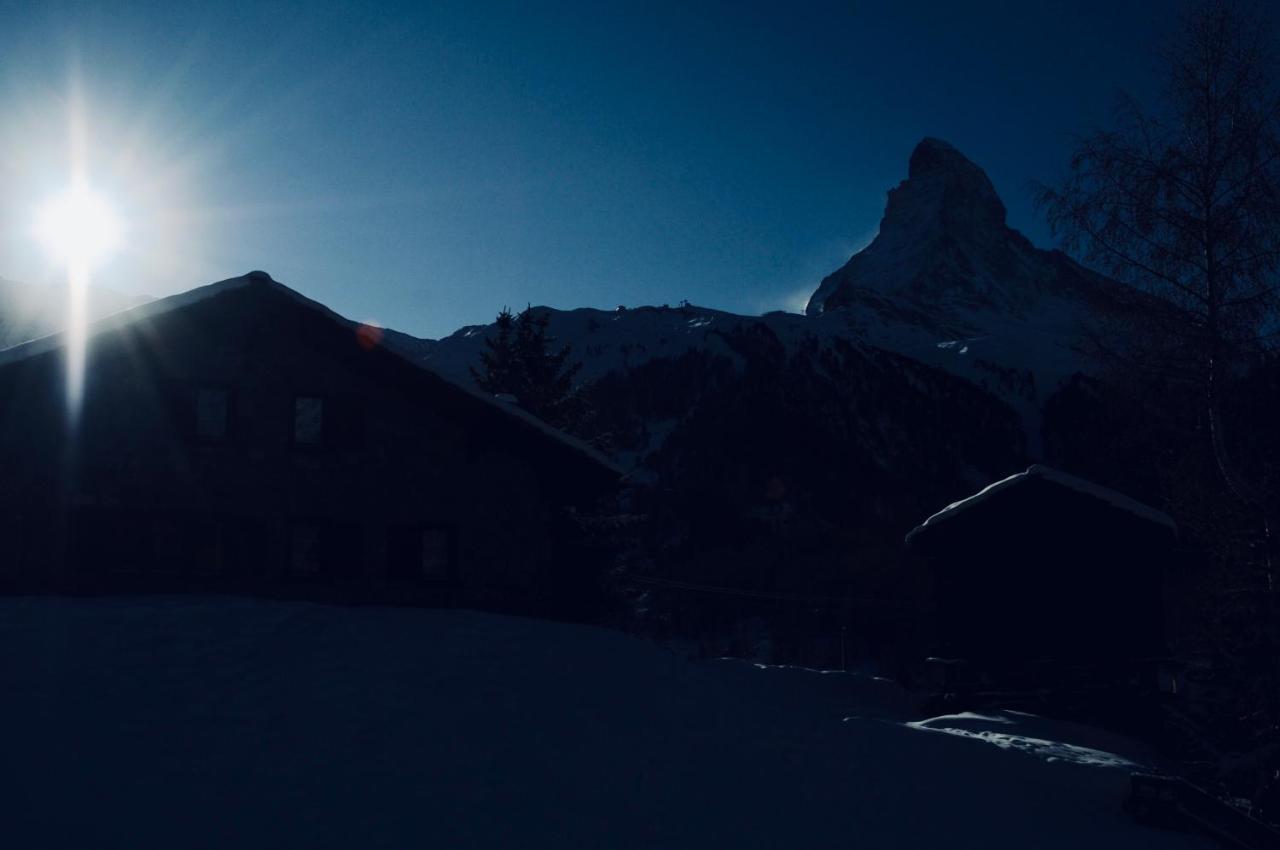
point(944, 189)
point(943, 239)
point(936, 155)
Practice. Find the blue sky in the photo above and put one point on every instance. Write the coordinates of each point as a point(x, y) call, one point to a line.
point(424, 165)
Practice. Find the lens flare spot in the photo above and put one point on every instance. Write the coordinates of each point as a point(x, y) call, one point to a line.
point(368, 336)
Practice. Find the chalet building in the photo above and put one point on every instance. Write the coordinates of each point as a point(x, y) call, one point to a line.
point(241, 437)
point(1046, 567)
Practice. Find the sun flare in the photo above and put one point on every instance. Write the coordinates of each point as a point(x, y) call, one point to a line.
point(78, 228)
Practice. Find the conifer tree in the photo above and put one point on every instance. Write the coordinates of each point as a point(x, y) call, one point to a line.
point(497, 362)
point(520, 359)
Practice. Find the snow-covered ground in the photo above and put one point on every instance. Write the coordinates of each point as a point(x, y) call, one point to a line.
point(196, 722)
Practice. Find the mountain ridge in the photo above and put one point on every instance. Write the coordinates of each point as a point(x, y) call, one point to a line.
point(944, 238)
point(946, 282)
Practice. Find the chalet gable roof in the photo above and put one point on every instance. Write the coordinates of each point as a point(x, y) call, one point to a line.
point(1038, 472)
point(161, 306)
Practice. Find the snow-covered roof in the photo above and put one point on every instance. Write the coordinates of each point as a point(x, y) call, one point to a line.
point(162, 306)
point(1053, 476)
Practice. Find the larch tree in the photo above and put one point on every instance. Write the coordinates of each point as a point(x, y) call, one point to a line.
point(1183, 203)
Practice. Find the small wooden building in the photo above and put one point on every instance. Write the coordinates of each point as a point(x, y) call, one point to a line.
point(241, 437)
point(1044, 566)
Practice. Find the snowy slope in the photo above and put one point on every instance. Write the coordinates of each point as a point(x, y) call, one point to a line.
point(608, 341)
point(162, 723)
point(617, 344)
point(612, 341)
point(947, 281)
point(653, 374)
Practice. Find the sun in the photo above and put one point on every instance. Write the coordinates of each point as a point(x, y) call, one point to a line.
point(78, 228)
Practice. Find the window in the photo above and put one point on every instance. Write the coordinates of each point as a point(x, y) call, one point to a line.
point(329, 422)
point(213, 408)
point(417, 553)
point(308, 421)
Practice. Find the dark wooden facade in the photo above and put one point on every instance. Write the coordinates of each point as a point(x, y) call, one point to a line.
point(1047, 567)
point(243, 438)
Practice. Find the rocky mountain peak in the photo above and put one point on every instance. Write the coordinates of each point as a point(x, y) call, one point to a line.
point(944, 182)
point(943, 244)
point(935, 155)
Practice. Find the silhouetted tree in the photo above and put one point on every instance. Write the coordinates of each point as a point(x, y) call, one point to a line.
point(1183, 203)
point(497, 372)
point(520, 360)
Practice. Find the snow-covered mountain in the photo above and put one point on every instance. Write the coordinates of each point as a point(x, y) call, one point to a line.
point(612, 341)
point(944, 247)
point(947, 281)
point(659, 365)
point(922, 369)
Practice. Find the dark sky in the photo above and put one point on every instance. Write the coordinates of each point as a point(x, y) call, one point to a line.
point(424, 165)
